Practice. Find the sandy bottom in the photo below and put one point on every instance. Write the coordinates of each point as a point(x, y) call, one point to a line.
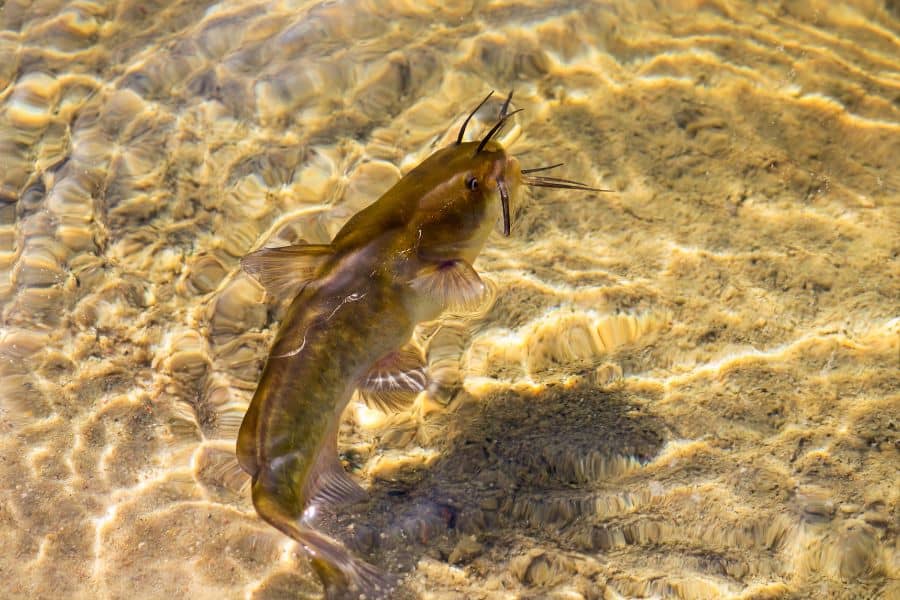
point(689, 388)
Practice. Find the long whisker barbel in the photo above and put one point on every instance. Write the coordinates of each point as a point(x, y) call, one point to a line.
point(566, 184)
point(494, 130)
point(536, 169)
point(555, 180)
point(504, 111)
point(505, 107)
point(504, 204)
point(462, 130)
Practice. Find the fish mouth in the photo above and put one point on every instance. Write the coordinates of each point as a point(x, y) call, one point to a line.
point(504, 203)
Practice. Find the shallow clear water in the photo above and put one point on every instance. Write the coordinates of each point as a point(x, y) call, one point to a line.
point(688, 388)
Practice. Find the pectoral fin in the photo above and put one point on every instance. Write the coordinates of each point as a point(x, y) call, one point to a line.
point(284, 271)
point(453, 284)
point(394, 380)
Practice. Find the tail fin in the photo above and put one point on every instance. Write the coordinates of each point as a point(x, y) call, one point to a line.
point(343, 576)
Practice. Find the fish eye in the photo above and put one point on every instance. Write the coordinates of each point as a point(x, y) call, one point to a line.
point(472, 182)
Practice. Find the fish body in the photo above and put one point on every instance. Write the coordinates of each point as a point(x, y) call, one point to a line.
point(288, 440)
point(402, 260)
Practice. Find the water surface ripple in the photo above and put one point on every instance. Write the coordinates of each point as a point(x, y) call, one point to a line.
point(686, 389)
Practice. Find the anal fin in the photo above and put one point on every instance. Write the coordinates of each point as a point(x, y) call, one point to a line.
point(328, 482)
point(395, 380)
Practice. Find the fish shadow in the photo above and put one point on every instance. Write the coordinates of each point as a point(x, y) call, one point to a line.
point(514, 469)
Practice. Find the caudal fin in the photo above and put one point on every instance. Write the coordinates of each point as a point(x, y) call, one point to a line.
point(343, 576)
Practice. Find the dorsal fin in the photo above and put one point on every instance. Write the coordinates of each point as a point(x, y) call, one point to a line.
point(284, 271)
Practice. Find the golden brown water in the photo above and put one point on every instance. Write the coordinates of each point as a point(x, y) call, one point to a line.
point(686, 389)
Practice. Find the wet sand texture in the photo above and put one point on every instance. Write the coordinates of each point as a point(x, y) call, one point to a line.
point(689, 388)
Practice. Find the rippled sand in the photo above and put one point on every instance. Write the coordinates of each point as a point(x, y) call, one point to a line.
point(689, 388)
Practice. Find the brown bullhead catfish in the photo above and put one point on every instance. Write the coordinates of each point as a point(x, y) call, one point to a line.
point(401, 261)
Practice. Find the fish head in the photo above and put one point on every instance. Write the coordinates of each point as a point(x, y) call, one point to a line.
point(470, 186)
point(467, 185)
point(446, 207)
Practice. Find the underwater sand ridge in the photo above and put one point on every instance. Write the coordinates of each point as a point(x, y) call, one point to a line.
point(685, 389)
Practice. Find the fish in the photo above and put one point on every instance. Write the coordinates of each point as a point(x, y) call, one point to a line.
point(354, 303)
